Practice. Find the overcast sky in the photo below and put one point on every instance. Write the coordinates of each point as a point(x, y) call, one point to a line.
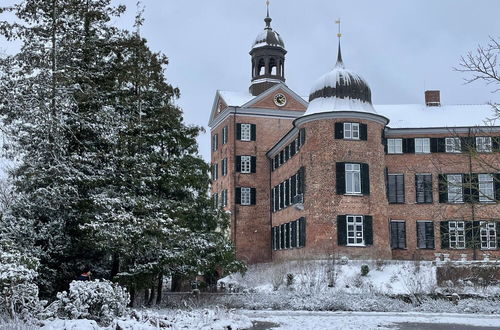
point(400, 47)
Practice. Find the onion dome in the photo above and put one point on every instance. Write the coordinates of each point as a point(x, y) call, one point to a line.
point(340, 90)
point(268, 37)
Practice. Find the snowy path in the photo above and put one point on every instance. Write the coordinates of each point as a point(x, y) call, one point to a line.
point(304, 320)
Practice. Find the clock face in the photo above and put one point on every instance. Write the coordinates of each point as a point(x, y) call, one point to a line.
point(279, 100)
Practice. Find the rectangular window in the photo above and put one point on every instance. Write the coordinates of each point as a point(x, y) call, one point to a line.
point(455, 188)
point(224, 166)
point(224, 198)
point(453, 145)
point(287, 235)
point(224, 135)
point(423, 188)
point(351, 131)
point(297, 144)
point(215, 199)
point(396, 188)
point(488, 235)
point(394, 146)
point(355, 230)
point(398, 235)
point(425, 235)
point(246, 132)
point(215, 142)
point(422, 145)
point(486, 188)
point(457, 234)
point(215, 171)
point(287, 153)
point(483, 144)
point(352, 179)
point(246, 196)
point(246, 164)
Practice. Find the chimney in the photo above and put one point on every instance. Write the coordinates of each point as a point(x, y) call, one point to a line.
point(432, 99)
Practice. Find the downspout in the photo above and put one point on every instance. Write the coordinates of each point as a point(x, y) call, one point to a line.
point(234, 178)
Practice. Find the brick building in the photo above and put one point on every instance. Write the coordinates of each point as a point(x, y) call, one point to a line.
point(332, 174)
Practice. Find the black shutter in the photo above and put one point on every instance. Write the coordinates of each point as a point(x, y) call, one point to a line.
point(419, 189)
point(282, 195)
point(470, 188)
point(443, 188)
point(498, 234)
point(276, 161)
point(421, 235)
point(237, 196)
point(383, 140)
point(272, 199)
point(445, 236)
point(276, 198)
point(434, 144)
point(253, 164)
point(368, 229)
point(340, 177)
point(282, 236)
point(400, 194)
point(293, 186)
point(474, 191)
point(287, 153)
point(293, 243)
point(469, 235)
point(392, 189)
point(496, 183)
point(238, 131)
point(287, 235)
point(394, 235)
point(408, 146)
point(253, 132)
point(467, 144)
point(302, 136)
point(253, 196)
point(302, 232)
point(386, 180)
point(341, 230)
point(428, 188)
point(238, 163)
point(495, 143)
point(365, 179)
point(363, 132)
point(339, 130)
point(301, 187)
point(273, 240)
point(287, 192)
point(292, 148)
point(429, 235)
point(282, 157)
point(438, 144)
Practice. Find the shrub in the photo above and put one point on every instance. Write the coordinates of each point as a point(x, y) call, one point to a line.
point(365, 270)
point(101, 301)
point(289, 279)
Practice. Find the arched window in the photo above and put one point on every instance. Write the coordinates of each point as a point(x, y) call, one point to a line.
point(272, 67)
point(261, 67)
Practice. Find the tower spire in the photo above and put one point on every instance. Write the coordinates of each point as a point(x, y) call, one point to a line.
point(339, 54)
point(268, 19)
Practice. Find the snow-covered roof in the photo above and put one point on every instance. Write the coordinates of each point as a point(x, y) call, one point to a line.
point(421, 116)
point(235, 99)
point(332, 104)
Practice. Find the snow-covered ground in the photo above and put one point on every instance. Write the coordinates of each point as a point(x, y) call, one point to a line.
point(301, 320)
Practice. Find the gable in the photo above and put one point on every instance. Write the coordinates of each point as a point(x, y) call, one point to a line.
point(266, 100)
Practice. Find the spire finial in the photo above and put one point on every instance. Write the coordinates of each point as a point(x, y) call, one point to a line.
point(268, 19)
point(339, 55)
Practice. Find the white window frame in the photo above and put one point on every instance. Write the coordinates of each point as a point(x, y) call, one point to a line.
point(224, 167)
point(394, 146)
point(352, 178)
point(246, 196)
point(215, 172)
point(224, 135)
point(455, 188)
point(453, 145)
point(215, 142)
point(215, 197)
point(484, 144)
point(422, 145)
point(246, 132)
point(354, 226)
point(486, 188)
point(246, 164)
point(488, 234)
point(456, 232)
point(351, 131)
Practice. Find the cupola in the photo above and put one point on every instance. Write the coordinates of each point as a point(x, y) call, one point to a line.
point(268, 59)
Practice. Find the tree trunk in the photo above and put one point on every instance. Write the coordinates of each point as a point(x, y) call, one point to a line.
point(152, 295)
point(132, 296)
point(159, 289)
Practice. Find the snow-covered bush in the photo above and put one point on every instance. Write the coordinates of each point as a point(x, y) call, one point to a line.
point(18, 292)
point(101, 301)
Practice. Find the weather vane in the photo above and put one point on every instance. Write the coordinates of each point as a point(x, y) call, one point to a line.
point(337, 22)
point(267, 4)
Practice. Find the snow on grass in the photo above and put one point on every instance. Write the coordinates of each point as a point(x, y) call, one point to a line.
point(301, 320)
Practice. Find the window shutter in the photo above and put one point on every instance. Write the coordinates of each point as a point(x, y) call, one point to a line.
point(238, 131)
point(368, 229)
point(365, 179)
point(282, 195)
point(273, 241)
point(339, 130)
point(340, 177)
point(253, 132)
point(438, 144)
point(394, 235)
point(470, 187)
point(392, 198)
point(467, 144)
point(401, 189)
point(496, 184)
point(419, 189)
point(495, 143)
point(428, 189)
point(293, 186)
point(287, 153)
point(292, 148)
point(474, 193)
point(238, 164)
point(341, 230)
point(282, 236)
point(386, 180)
point(294, 234)
point(253, 164)
point(408, 146)
point(302, 232)
point(383, 140)
point(363, 132)
point(272, 199)
point(445, 237)
point(421, 235)
point(302, 136)
point(469, 235)
point(434, 144)
point(282, 157)
point(276, 161)
point(443, 188)
point(302, 181)
point(429, 230)
point(287, 192)
point(276, 198)
point(287, 235)
point(253, 193)
point(277, 237)
point(498, 234)
point(237, 196)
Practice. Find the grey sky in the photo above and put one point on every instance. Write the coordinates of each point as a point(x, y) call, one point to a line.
point(400, 47)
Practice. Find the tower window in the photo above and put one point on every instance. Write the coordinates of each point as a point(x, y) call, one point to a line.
point(353, 178)
point(351, 131)
point(245, 132)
